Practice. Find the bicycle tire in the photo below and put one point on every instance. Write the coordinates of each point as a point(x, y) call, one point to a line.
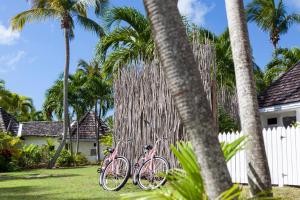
point(102, 176)
point(167, 164)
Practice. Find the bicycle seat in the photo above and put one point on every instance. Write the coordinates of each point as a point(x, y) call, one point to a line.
point(148, 147)
point(110, 150)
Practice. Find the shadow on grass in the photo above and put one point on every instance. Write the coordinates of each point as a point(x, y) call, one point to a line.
point(34, 176)
point(19, 192)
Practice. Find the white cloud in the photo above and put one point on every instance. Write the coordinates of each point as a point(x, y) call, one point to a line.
point(7, 36)
point(9, 62)
point(195, 10)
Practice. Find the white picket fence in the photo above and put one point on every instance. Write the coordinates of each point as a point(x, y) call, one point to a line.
point(283, 152)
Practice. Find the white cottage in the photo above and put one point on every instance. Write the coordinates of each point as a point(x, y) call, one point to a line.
point(280, 102)
point(38, 132)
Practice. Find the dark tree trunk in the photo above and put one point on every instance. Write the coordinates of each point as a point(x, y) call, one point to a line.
point(185, 84)
point(258, 170)
point(77, 136)
point(97, 134)
point(70, 136)
point(65, 101)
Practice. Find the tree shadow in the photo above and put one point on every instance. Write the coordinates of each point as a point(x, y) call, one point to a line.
point(19, 192)
point(34, 176)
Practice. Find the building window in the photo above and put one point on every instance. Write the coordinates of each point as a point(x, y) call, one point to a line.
point(272, 121)
point(93, 152)
point(288, 121)
point(94, 144)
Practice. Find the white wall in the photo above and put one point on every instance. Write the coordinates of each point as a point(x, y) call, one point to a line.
point(39, 140)
point(279, 115)
point(84, 146)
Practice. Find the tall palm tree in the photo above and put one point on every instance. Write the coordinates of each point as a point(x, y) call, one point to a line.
point(272, 18)
point(188, 93)
point(53, 104)
point(130, 43)
point(100, 92)
point(66, 11)
point(258, 170)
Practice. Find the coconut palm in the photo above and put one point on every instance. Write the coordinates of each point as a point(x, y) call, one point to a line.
point(186, 87)
point(272, 18)
point(100, 92)
point(66, 11)
point(285, 58)
point(130, 43)
point(282, 61)
point(258, 170)
point(21, 107)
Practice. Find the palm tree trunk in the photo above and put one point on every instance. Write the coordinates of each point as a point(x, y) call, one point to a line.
point(97, 134)
point(70, 136)
point(257, 163)
point(77, 135)
point(65, 101)
point(185, 84)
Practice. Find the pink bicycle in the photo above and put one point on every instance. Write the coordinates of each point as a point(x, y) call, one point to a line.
point(150, 171)
point(115, 170)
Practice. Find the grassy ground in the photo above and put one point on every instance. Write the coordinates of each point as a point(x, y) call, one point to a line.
point(77, 183)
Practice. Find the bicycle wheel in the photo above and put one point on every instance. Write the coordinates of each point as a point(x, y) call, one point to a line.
point(153, 174)
point(115, 174)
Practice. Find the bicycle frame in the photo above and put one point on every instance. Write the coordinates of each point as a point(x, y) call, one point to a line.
point(150, 155)
point(111, 157)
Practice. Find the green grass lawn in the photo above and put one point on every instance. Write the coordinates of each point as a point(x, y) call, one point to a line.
point(77, 183)
point(43, 184)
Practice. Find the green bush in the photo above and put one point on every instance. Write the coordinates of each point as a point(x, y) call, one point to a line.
point(48, 151)
point(80, 159)
point(9, 152)
point(226, 122)
point(65, 159)
point(32, 156)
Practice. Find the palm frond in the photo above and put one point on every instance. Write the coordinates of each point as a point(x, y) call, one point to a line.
point(129, 15)
point(90, 25)
point(33, 15)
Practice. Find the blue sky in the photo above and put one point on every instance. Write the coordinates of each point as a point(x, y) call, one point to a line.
point(30, 61)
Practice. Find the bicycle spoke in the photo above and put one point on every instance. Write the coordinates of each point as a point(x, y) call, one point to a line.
point(115, 174)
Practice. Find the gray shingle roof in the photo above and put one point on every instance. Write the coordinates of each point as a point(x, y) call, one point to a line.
point(284, 90)
point(42, 128)
point(87, 126)
point(8, 123)
point(54, 129)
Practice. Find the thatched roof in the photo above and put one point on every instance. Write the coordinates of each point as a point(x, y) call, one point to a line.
point(284, 90)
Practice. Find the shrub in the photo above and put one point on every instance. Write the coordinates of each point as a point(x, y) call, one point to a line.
point(9, 152)
point(226, 122)
point(65, 159)
point(80, 159)
point(48, 150)
point(32, 156)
